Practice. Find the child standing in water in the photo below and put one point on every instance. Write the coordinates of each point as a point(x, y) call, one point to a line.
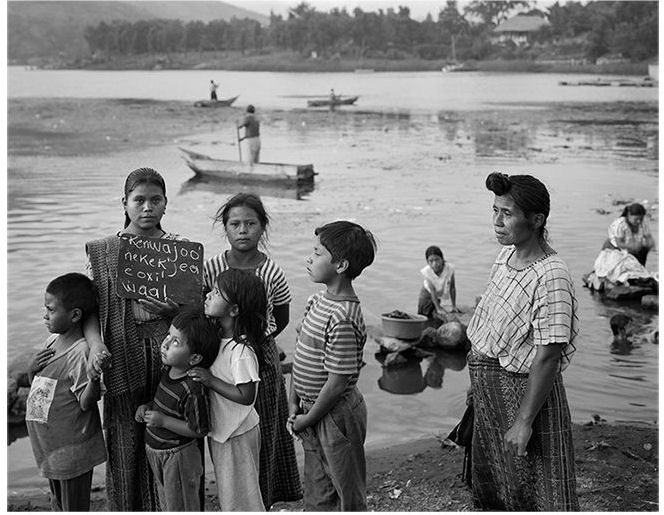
point(439, 286)
point(238, 302)
point(178, 415)
point(61, 411)
point(327, 411)
point(245, 222)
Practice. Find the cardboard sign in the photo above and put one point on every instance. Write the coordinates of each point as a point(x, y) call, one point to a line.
point(161, 269)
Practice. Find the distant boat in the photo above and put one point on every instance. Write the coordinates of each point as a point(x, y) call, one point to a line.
point(646, 82)
point(216, 103)
point(338, 101)
point(459, 67)
point(282, 173)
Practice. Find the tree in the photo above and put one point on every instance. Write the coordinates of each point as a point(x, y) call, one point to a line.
point(452, 24)
point(494, 12)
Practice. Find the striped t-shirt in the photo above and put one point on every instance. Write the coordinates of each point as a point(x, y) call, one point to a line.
point(181, 398)
point(522, 309)
point(331, 339)
point(273, 277)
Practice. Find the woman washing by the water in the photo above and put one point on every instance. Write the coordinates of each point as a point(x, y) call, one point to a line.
point(631, 233)
point(623, 256)
point(439, 286)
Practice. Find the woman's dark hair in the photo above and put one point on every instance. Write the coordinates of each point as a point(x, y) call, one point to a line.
point(433, 250)
point(246, 290)
point(634, 209)
point(142, 176)
point(250, 200)
point(529, 194)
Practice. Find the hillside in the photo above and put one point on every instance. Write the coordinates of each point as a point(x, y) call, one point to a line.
point(50, 29)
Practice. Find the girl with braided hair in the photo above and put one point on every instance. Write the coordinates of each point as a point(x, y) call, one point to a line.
point(132, 332)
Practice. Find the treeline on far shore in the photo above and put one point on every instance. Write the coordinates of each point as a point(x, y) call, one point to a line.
point(574, 36)
point(287, 61)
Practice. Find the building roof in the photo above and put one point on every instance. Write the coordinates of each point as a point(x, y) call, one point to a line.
point(522, 23)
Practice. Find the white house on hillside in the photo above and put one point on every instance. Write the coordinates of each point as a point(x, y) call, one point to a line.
point(518, 29)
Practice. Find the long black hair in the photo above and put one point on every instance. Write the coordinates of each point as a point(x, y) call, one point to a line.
point(528, 192)
point(247, 292)
point(142, 176)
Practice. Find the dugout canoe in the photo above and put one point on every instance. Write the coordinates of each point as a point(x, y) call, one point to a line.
point(326, 102)
point(225, 102)
point(282, 173)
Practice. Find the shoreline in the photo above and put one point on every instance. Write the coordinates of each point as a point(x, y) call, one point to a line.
point(614, 473)
point(283, 61)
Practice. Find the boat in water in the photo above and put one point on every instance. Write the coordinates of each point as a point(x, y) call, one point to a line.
point(224, 169)
point(338, 101)
point(227, 102)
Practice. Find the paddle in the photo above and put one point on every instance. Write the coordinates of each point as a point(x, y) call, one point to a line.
point(239, 145)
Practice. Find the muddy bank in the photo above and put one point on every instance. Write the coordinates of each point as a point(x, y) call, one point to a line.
point(616, 466)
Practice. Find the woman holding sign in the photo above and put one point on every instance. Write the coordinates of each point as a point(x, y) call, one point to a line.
point(133, 330)
point(245, 222)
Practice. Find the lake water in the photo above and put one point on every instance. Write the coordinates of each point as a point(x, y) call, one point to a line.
point(410, 166)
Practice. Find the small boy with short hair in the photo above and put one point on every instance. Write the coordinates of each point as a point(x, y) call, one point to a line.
point(326, 367)
point(621, 327)
point(178, 416)
point(61, 410)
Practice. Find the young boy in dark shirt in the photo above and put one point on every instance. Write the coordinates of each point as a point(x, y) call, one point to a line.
point(178, 416)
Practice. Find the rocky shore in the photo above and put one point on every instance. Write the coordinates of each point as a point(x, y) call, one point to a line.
point(616, 466)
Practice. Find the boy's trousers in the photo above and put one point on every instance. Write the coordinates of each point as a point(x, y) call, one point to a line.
point(177, 473)
point(71, 494)
point(334, 464)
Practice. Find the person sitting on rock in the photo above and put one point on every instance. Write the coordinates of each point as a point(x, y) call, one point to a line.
point(438, 286)
point(631, 233)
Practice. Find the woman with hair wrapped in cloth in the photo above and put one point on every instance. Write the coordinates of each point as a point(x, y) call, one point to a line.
point(132, 332)
point(522, 335)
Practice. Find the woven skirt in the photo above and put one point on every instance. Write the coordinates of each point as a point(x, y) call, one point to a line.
point(544, 480)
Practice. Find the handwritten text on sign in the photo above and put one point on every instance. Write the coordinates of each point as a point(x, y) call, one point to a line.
point(158, 268)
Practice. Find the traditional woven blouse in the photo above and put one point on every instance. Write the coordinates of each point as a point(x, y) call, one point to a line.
point(620, 230)
point(521, 309)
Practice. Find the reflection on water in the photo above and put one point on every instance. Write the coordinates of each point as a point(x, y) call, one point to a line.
point(405, 376)
point(231, 186)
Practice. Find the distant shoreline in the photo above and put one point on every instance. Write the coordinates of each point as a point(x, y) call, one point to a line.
point(290, 62)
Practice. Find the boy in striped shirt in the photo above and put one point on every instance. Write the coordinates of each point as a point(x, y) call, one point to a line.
point(178, 415)
point(326, 410)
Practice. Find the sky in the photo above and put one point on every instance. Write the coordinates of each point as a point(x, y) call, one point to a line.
point(418, 8)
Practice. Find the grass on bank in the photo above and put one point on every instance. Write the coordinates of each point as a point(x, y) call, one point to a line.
point(283, 61)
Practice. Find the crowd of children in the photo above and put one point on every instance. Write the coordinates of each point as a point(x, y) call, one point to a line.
point(172, 375)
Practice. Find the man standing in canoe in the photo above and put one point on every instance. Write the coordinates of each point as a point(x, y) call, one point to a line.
point(251, 134)
point(213, 90)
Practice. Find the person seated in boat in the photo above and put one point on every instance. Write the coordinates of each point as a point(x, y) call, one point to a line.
point(438, 287)
point(213, 90)
point(630, 232)
point(621, 327)
point(251, 133)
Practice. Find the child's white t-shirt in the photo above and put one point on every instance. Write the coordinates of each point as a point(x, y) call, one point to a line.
point(441, 283)
point(235, 364)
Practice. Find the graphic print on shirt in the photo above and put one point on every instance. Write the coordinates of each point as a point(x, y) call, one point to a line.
point(40, 398)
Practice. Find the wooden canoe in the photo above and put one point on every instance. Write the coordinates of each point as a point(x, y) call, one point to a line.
point(338, 101)
point(211, 167)
point(227, 102)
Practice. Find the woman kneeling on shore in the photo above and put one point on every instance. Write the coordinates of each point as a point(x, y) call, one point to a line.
point(522, 335)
